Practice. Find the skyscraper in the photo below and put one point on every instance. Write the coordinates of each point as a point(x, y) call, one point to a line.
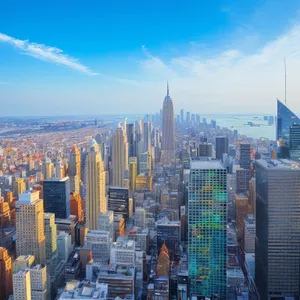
point(285, 119)
point(30, 226)
point(5, 273)
point(130, 132)
point(222, 145)
point(119, 201)
point(74, 169)
point(147, 137)
point(207, 201)
point(56, 194)
point(168, 131)
point(22, 286)
point(132, 172)
point(245, 160)
point(277, 249)
point(294, 144)
point(95, 186)
point(182, 115)
point(119, 157)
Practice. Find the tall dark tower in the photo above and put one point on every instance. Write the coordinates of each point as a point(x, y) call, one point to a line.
point(168, 131)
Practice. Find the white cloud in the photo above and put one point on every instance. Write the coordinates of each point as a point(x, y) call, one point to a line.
point(232, 81)
point(46, 53)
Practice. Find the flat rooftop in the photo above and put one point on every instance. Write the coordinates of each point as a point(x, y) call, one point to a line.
point(57, 179)
point(205, 165)
point(279, 164)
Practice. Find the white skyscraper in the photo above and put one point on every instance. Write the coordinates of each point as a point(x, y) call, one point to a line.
point(21, 285)
point(95, 186)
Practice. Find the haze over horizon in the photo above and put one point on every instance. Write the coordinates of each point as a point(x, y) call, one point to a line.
point(115, 58)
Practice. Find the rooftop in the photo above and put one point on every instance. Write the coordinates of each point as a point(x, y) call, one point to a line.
point(278, 164)
point(207, 165)
point(57, 179)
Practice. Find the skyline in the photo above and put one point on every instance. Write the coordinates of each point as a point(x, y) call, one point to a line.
point(219, 58)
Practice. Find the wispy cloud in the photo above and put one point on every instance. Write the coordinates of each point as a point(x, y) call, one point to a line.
point(46, 53)
point(236, 80)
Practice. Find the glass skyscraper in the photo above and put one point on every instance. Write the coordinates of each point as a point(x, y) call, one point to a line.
point(295, 141)
point(277, 249)
point(207, 212)
point(285, 119)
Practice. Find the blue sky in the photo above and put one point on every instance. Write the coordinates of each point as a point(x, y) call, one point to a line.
point(94, 57)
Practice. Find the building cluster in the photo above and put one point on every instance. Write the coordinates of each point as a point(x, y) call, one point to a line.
point(164, 207)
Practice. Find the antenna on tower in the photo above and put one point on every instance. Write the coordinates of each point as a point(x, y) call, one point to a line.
point(284, 81)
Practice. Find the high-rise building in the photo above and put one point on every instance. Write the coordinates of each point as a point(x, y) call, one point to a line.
point(294, 145)
point(19, 187)
point(169, 233)
point(119, 201)
point(59, 170)
point(30, 226)
point(277, 248)
point(132, 172)
point(23, 262)
point(22, 285)
point(205, 149)
point(38, 282)
point(168, 130)
point(207, 201)
point(5, 273)
point(95, 186)
point(119, 157)
point(56, 194)
point(252, 196)
point(245, 159)
point(241, 180)
point(122, 252)
point(222, 145)
point(48, 168)
point(145, 163)
point(130, 132)
point(249, 236)
point(99, 241)
point(241, 204)
point(163, 262)
point(182, 115)
point(147, 137)
point(188, 116)
point(285, 119)
point(51, 242)
point(140, 217)
point(76, 206)
point(106, 223)
point(74, 169)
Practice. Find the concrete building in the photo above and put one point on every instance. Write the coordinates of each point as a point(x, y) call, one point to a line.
point(205, 150)
point(277, 249)
point(30, 226)
point(38, 282)
point(106, 223)
point(22, 285)
point(222, 146)
point(140, 217)
point(5, 273)
point(99, 241)
point(95, 186)
point(119, 201)
point(169, 233)
point(23, 262)
point(64, 245)
point(249, 237)
point(145, 162)
point(74, 170)
point(84, 290)
point(122, 252)
point(132, 172)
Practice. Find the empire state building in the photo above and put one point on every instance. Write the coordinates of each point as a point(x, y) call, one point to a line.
point(168, 131)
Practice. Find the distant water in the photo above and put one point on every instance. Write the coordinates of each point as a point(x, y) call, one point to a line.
point(237, 122)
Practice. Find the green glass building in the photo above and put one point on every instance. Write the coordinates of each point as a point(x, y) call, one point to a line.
point(207, 211)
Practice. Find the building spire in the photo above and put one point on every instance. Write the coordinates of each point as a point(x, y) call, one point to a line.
point(168, 94)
